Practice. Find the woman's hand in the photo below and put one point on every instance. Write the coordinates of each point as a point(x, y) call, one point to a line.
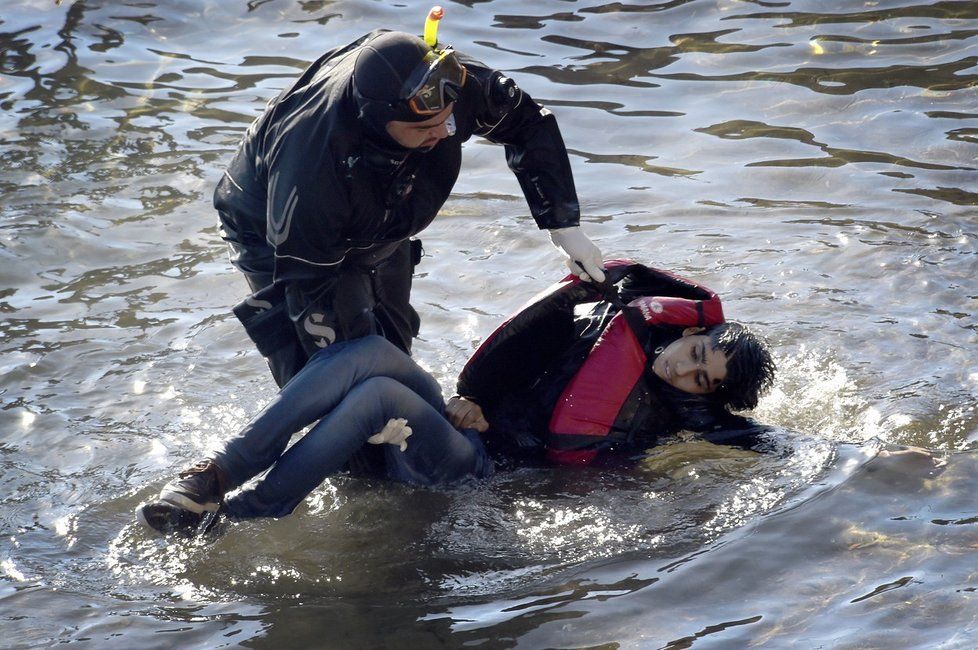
point(465, 414)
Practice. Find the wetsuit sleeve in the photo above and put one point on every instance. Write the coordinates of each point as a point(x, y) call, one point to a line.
point(535, 149)
point(307, 212)
point(737, 431)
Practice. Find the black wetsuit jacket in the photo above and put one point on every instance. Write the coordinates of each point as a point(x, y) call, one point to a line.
point(310, 192)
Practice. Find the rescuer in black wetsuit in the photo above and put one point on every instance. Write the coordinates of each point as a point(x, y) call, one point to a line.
point(328, 186)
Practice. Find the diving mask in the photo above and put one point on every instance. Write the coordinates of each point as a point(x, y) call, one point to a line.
point(435, 83)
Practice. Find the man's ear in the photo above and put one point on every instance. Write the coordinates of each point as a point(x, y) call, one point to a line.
point(689, 331)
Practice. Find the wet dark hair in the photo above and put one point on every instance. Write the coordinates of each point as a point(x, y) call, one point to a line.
point(750, 367)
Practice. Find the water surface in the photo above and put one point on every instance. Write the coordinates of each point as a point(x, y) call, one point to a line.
point(814, 162)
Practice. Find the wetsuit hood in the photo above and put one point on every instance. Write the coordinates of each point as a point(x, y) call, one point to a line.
point(381, 69)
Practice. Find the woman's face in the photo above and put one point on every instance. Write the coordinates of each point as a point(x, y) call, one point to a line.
point(691, 364)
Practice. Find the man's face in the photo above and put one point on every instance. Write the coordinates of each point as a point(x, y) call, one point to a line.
point(691, 363)
point(421, 135)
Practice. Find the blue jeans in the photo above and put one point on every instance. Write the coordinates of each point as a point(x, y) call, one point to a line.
point(349, 390)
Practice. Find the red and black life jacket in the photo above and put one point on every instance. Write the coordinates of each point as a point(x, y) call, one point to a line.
point(601, 396)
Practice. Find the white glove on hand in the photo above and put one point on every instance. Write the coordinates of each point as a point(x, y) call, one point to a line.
point(395, 432)
point(580, 251)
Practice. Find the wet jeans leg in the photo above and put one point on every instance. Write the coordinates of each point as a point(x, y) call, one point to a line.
point(436, 453)
point(324, 382)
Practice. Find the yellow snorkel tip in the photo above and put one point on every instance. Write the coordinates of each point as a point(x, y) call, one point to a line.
point(431, 26)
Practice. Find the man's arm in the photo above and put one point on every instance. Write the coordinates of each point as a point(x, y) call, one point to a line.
point(307, 212)
point(721, 427)
point(536, 154)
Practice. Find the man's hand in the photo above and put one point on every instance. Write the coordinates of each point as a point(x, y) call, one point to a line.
point(583, 257)
point(465, 414)
point(395, 432)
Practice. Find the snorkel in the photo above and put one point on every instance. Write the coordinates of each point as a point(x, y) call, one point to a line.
point(438, 80)
point(430, 91)
point(431, 26)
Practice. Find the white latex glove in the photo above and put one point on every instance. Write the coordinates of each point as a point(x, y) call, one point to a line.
point(395, 432)
point(580, 251)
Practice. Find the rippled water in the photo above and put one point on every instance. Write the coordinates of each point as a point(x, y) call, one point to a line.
point(814, 162)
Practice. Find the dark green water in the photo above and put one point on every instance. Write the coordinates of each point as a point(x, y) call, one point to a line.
point(814, 162)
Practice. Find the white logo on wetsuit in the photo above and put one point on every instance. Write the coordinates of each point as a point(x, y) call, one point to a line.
point(281, 217)
point(322, 335)
point(260, 305)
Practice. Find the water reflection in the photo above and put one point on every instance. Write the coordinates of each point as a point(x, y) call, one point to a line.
point(744, 129)
point(813, 163)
